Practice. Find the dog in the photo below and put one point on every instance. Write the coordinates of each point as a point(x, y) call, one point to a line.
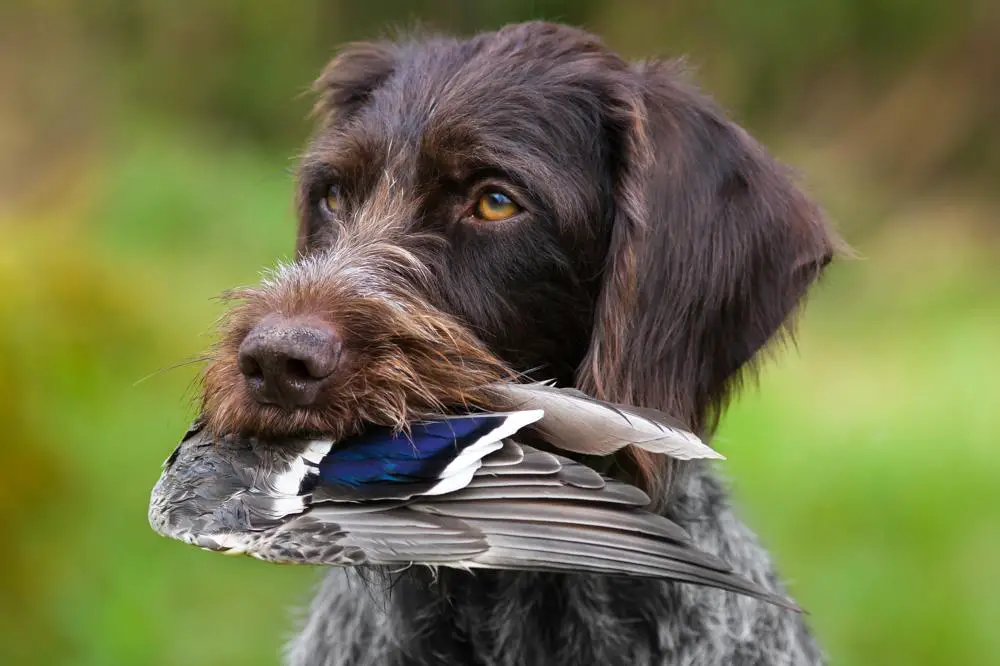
point(525, 203)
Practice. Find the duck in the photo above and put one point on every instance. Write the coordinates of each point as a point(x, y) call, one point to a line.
point(476, 490)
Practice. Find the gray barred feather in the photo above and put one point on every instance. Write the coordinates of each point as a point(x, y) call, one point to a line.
point(576, 422)
point(505, 618)
point(524, 509)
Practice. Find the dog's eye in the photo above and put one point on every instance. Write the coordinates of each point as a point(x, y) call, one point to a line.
point(495, 206)
point(331, 200)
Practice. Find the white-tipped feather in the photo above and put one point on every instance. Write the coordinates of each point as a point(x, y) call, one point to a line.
point(287, 505)
point(576, 422)
point(459, 472)
point(317, 450)
point(534, 510)
point(457, 480)
point(230, 544)
point(493, 440)
point(289, 481)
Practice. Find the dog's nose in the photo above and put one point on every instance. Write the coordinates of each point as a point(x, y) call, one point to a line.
point(288, 362)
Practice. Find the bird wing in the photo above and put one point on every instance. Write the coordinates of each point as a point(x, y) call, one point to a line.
point(543, 512)
point(521, 508)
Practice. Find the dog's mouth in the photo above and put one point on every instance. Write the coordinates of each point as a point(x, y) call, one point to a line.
point(392, 386)
point(339, 340)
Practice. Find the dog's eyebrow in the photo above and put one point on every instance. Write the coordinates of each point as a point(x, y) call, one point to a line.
point(313, 170)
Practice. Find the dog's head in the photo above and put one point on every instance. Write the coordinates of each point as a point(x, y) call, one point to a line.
point(522, 200)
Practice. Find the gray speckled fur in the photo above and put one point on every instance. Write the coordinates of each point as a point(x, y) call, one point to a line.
point(527, 619)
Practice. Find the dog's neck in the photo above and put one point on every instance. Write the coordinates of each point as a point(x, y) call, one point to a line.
point(523, 619)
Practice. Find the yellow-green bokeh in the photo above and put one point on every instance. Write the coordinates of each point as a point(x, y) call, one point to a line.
point(145, 165)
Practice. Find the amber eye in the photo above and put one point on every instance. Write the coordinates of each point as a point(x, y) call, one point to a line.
point(331, 201)
point(495, 206)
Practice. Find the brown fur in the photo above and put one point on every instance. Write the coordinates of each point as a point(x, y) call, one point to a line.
point(406, 359)
point(659, 249)
point(697, 254)
point(677, 246)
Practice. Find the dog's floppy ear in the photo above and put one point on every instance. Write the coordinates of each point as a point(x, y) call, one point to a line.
point(344, 86)
point(348, 80)
point(712, 248)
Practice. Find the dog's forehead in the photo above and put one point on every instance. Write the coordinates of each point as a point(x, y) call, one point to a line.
point(483, 83)
point(516, 102)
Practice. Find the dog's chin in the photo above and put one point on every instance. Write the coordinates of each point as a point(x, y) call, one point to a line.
point(239, 414)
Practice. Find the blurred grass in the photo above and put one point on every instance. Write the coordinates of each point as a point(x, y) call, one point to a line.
point(97, 306)
point(867, 459)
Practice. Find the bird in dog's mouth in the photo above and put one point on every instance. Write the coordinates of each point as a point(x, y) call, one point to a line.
point(475, 490)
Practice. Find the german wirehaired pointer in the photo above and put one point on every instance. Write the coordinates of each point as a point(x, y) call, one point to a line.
point(525, 201)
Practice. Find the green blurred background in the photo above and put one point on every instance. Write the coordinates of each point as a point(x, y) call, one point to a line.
point(145, 158)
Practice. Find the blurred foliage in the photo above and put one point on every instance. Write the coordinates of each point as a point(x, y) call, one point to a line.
point(145, 156)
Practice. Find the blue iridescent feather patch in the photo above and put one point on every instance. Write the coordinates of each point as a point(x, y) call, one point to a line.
point(448, 449)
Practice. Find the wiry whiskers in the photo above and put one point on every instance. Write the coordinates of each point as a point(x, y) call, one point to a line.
point(404, 358)
point(195, 360)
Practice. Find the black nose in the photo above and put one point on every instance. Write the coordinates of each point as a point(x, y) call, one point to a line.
point(288, 362)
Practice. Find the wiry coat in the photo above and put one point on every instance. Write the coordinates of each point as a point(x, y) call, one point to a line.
point(656, 250)
point(516, 619)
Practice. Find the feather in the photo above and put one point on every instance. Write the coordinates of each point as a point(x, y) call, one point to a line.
point(439, 455)
point(574, 421)
point(510, 454)
point(509, 506)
